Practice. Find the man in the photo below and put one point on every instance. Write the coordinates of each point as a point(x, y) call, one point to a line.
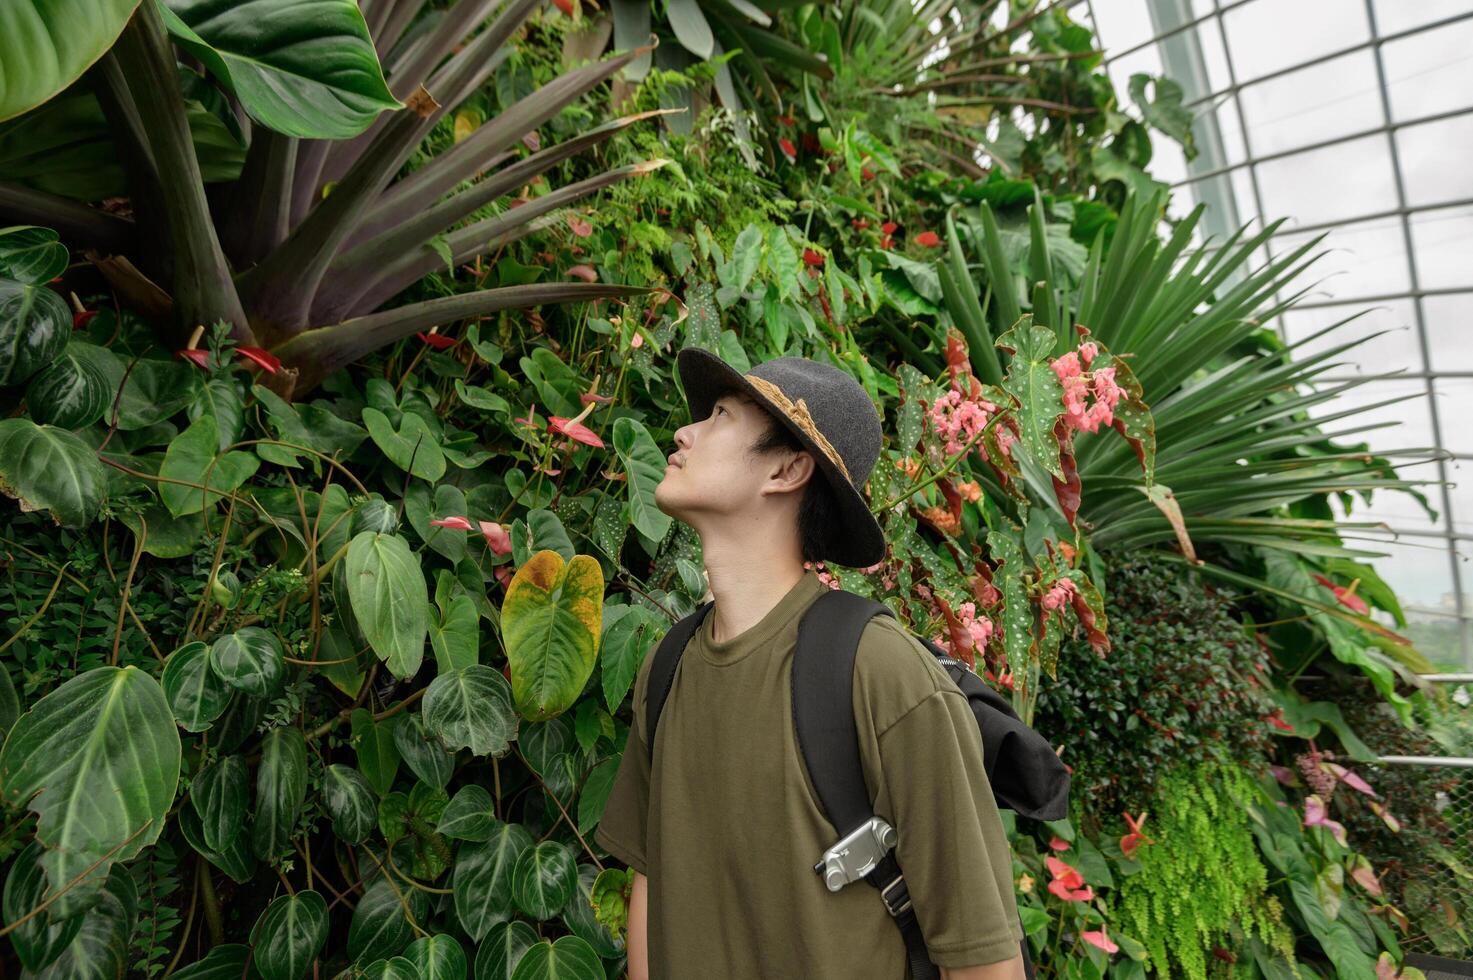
point(723, 829)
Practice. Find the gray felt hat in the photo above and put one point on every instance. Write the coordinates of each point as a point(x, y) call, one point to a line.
point(829, 412)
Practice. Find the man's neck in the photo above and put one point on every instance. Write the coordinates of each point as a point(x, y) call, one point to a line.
point(746, 587)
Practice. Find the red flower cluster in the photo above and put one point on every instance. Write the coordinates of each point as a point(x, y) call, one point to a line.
point(1068, 883)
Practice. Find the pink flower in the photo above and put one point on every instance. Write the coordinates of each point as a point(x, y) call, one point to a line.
point(1068, 883)
point(531, 418)
point(497, 538)
point(1133, 840)
point(1346, 597)
point(584, 272)
point(1079, 414)
point(928, 239)
point(198, 355)
point(579, 227)
point(575, 430)
point(1315, 815)
point(1058, 843)
point(1350, 779)
point(1058, 596)
point(957, 419)
point(456, 523)
point(1098, 938)
point(1284, 775)
point(637, 341)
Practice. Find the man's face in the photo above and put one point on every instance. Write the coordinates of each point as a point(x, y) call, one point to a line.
point(710, 472)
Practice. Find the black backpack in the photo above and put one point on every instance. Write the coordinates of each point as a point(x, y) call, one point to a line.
point(1025, 773)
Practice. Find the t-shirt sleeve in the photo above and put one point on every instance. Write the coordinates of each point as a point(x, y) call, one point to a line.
point(622, 829)
point(951, 844)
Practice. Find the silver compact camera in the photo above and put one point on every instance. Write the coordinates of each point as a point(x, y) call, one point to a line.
point(856, 855)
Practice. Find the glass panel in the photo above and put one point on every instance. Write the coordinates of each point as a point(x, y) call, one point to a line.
point(1430, 72)
point(1148, 60)
point(1317, 103)
point(1431, 168)
point(1436, 638)
point(1264, 37)
point(1122, 24)
point(1333, 182)
point(1399, 509)
point(1460, 492)
point(1395, 349)
point(1399, 15)
point(1401, 425)
point(1447, 319)
point(1453, 401)
point(1420, 570)
point(1367, 258)
point(1443, 244)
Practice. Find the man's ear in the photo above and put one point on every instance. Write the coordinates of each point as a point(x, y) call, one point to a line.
point(796, 469)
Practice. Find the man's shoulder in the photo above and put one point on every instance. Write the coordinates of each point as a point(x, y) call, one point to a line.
point(894, 671)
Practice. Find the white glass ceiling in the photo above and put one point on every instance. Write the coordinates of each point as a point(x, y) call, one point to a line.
point(1356, 117)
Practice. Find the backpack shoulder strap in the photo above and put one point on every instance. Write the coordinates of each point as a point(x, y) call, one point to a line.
point(662, 671)
point(823, 705)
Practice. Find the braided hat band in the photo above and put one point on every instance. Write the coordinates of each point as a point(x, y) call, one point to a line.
point(798, 412)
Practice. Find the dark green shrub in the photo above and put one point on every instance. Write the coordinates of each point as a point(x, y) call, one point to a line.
point(1180, 685)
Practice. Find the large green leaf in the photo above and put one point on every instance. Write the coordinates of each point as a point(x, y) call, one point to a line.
point(97, 760)
point(196, 694)
point(551, 620)
point(40, 939)
point(570, 958)
point(644, 467)
point(219, 794)
point(45, 45)
point(72, 391)
point(390, 599)
point(31, 254)
point(349, 801)
point(289, 935)
point(504, 946)
point(578, 915)
point(193, 458)
point(35, 325)
point(1040, 396)
point(545, 877)
point(236, 859)
point(412, 447)
point(225, 962)
point(378, 756)
point(437, 958)
point(380, 925)
point(305, 68)
point(483, 877)
point(249, 660)
point(281, 789)
point(622, 650)
point(471, 815)
point(423, 753)
point(100, 949)
point(471, 708)
point(48, 468)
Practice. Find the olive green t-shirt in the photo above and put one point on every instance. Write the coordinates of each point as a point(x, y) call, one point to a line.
point(727, 826)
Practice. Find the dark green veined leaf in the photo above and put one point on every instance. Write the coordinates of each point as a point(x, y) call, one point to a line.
point(193, 458)
point(30, 254)
point(306, 69)
point(395, 968)
point(410, 819)
point(579, 917)
point(238, 722)
point(349, 801)
point(622, 650)
point(249, 660)
point(72, 391)
point(503, 948)
point(644, 466)
point(422, 752)
point(218, 794)
point(100, 949)
point(289, 935)
point(544, 878)
point(471, 815)
point(222, 398)
point(197, 695)
point(341, 662)
point(39, 940)
point(9, 702)
point(570, 958)
point(543, 742)
point(454, 631)
point(103, 744)
point(226, 962)
point(281, 789)
point(390, 600)
point(48, 468)
point(45, 45)
point(595, 794)
point(412, 446)
point(236, 860)
point(378, 756)
point(484, 873)
point(471, 708)
point(437, 958)
point(380, 927)
point(155, 389)
point(34, 329)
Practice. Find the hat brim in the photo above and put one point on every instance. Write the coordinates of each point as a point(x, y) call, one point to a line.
point(858, 540)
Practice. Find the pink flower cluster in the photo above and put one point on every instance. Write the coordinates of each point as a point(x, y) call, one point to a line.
point(497, 538)
point(1058, 596)
point(1079, 383)
point(958, 419)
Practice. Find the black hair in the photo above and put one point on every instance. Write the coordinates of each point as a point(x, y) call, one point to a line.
point(818, 510)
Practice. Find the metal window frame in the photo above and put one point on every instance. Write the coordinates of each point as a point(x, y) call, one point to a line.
point(1170, 11)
